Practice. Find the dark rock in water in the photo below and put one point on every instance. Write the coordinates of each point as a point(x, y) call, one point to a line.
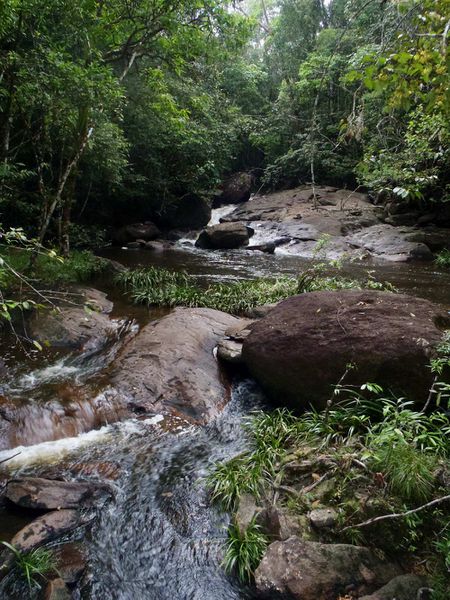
point(170, 367)
point(136, 231)
point(302, 570)
point(301, 349)
point(235, 189)
point(56, 589)
point(434, 237)
point(112, 267)
point(223, 236)
point(70, 561)
point(136, 245)
point(47, 494)
point(190, 212)
point(47, 528)
point(73, 328)
point(268, 247)
point(230, 351)
point(403, 587)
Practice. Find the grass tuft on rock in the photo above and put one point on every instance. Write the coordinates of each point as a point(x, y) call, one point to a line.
point(443, 258)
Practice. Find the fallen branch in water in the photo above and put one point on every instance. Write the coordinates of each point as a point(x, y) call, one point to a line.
point(9, 458)
point(397, 515)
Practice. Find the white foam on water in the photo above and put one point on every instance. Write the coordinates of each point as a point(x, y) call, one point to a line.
point(57, 450)
point(220, 213)
point(54, 372)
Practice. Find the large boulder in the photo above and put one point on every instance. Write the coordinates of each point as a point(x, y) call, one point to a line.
point(300, 570)
point(80, 323)
point(136, 231)
point(301, 349)
point(170, 366)
point(47, 494)
point(223, 236)
point(189, 212)
point(236, 188)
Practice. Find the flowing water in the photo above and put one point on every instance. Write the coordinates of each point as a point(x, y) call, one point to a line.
point(160, 538)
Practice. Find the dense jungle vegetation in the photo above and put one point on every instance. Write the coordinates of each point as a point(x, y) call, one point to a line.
point(113, 110)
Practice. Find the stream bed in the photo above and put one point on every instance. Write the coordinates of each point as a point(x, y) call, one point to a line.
point(160, 538)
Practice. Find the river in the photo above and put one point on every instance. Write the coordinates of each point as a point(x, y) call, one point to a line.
point(160, 538)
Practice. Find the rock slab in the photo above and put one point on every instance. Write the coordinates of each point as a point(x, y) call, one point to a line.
point(223, 236)
point(170, 365)
point(46, 494)
point(302, 348)
point(300, 570)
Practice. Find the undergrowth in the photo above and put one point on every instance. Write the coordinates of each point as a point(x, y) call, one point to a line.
point(159, 287)
point(443, 258)
point(366, 455)
point(80, 266)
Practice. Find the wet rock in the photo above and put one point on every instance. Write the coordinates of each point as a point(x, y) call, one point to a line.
point(235, 189)
point(189, 212)
point(323, 518)
point(434, 237)
point(48, 527)
point(94, 299)
point(268, 247)
point(246, 512)
point(73, 328)
point(136, 245)
point(56, 589)
point(170, 366)
point(70, 561)
point(136, 231)
point(112, 267)
point(230, 351)
point(403, 587)
point(278, 524)
point(301, 349)
point(303, 570)
point(223, 236)
point(47, 494)
point(391, 243)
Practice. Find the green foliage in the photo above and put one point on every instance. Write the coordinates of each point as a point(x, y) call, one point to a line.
point(33, 565)
point(443, 259)
point(159, 287)
point(79, 267)
point(244, 550)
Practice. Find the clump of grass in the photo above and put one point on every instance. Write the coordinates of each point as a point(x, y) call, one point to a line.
point(244, 550)
point(160, 287)
point(33, 565)
point(443, 258)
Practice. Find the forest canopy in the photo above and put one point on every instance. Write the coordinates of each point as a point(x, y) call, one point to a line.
point(115, 110)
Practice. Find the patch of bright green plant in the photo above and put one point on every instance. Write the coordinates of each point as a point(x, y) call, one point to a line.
point(33, 565)
point(160, 287)
point(443, 258)
point(244, 550)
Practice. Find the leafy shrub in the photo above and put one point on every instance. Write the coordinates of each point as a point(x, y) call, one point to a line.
point(244, 550)
point(443, 258)
point(79, 267)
